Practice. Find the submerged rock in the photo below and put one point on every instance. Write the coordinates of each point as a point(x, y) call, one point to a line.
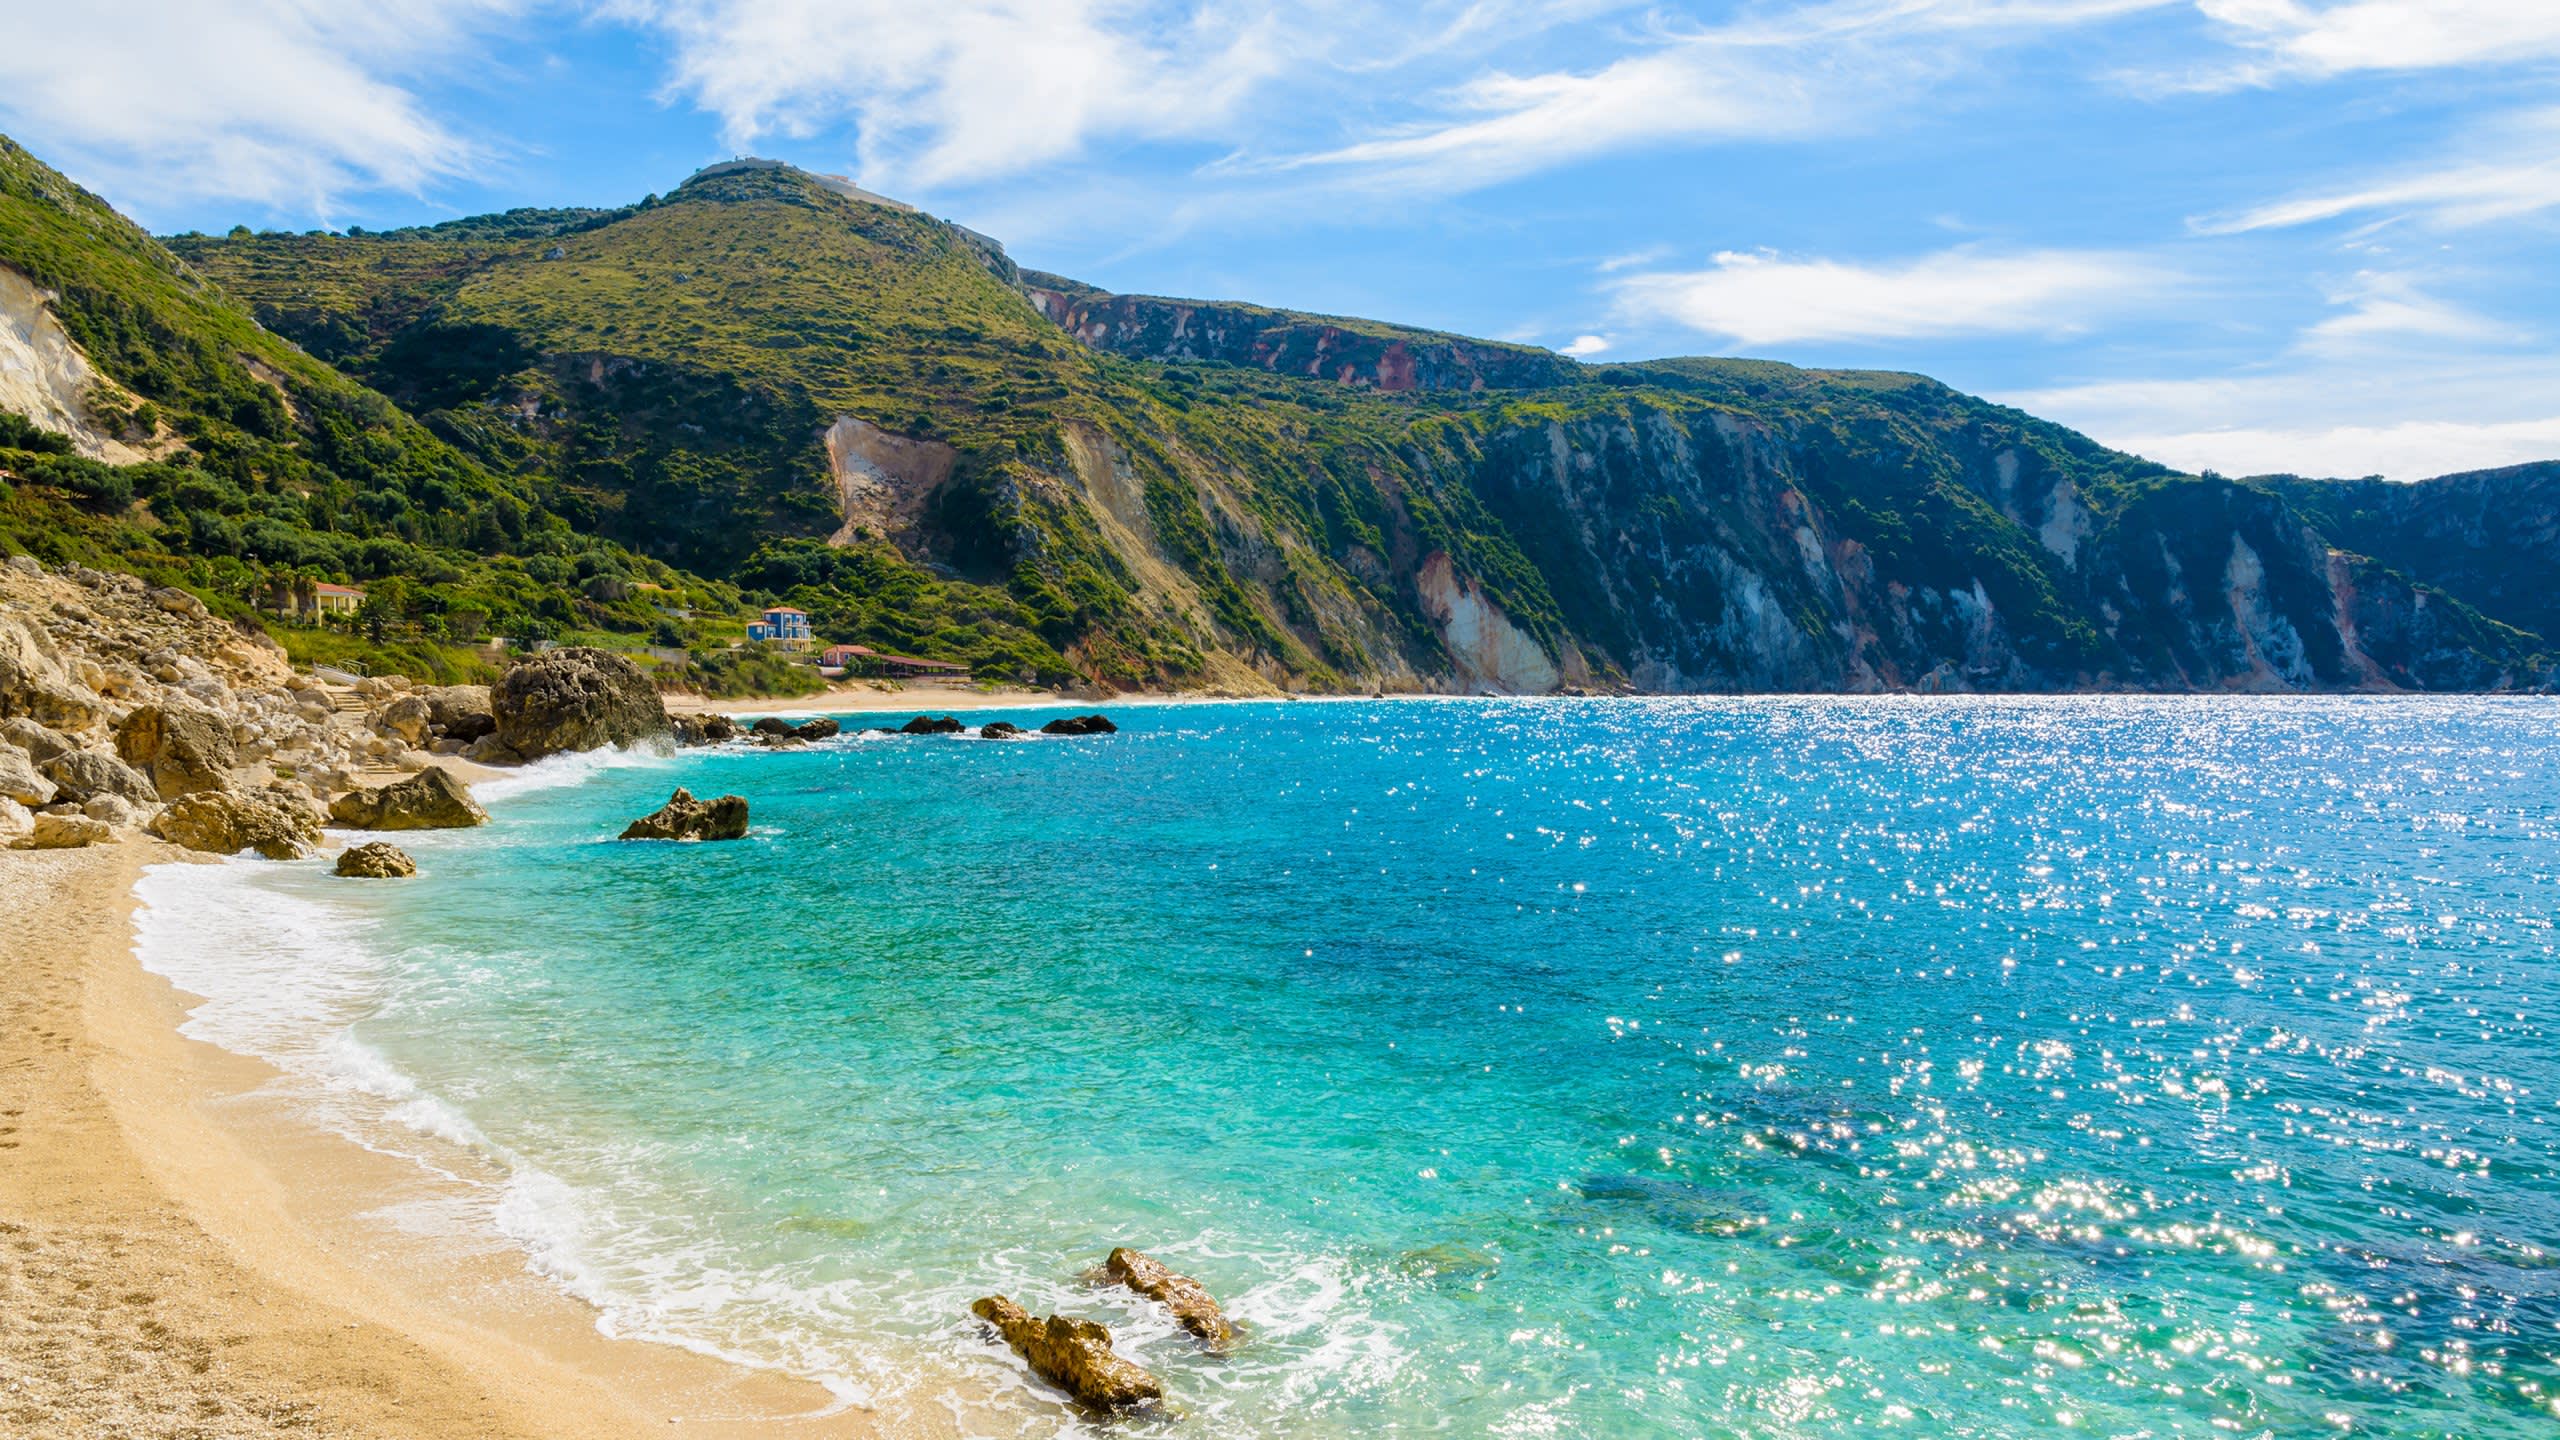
point(1081, 725)
point(685, 818)
point(998, 730)
point(1074, 1355)
point(376, 860)
point(429, 800)
point(180, 748)
point(932, 725)
point(1193, 1308)
point(271, 822)
point(574, 699)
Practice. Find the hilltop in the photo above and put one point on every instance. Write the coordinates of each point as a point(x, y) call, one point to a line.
point(781, 383)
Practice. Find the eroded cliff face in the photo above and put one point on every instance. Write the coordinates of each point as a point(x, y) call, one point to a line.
point(46, 377)
point(1146, 327)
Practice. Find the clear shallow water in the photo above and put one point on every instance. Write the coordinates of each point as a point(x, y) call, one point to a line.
point(1733, 1068)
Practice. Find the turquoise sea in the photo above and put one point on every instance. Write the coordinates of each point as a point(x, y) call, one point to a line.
point(1773, 1068)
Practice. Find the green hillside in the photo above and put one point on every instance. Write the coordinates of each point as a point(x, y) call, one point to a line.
point(763, 378)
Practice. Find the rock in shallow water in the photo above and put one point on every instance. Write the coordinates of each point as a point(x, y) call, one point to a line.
point(573, 699)
point(932, 725)
point(1193, 1308)
point(998, 730)
point(1074, 1355)
point(429, 800)
point(1081, 725)
point(376, 860)
point(685, 818)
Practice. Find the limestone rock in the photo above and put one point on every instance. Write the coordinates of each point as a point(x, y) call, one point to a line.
point(408, 717)
point(40, 742)
point(177, 601)
point(65, 832)
point(1193, 1308)
point(685, 818)
point(15, 823)
point(19, 780)
point(574, 699)
point(998, 730)
point(429, 800)
point(704, 729)
point(376, 860)
point(1080, 725)
point(932, 725)
point(181, 749)
point(82, 775)
point(1074, 1355)
point(222, 822)
point(114, 810)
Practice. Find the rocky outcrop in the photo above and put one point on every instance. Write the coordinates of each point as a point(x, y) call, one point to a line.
point(65, 832)
point(180, 748)
point(573, 699)
point(1080, 725)
point(429, 800)
point(685, 818)
point(277, 825)
point(1193, 1307)
point(19, 780)
point(999, 730)
point(375, 860)
point(40, 743)
point(932, 725)
point(1363, 354)
point(459, 712)
point(1074, 1355)
point(704, 729)
point(81, 775)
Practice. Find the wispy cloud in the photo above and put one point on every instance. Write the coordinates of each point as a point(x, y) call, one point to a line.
point(2285, 39)
point(2382, 309)
point(2508, 169)
point(289, 104)
point(1764, 299)
point(1777, 74)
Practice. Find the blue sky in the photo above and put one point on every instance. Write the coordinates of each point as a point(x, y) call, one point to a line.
point(2252, 235)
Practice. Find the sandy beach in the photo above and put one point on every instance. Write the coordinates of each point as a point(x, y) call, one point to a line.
point(890, 697)
point(180, 1255)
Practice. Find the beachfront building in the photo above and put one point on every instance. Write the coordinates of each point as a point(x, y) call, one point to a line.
point(781, 626)
point(863, 660)
point(313, 602)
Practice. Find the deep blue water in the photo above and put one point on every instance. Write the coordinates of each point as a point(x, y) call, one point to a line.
point(1626, 1069)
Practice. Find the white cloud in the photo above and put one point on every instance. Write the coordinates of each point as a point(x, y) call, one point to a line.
point(2506, 170)
point(1585, 345)
point(2392, 309)
point(2298, 37)
point(964, 90)
point(1762, 299)
point(283, 103)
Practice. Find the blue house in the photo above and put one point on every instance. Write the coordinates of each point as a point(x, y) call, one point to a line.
point(781, 626)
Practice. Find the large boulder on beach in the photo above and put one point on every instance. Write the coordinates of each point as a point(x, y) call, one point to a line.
point(1080, 725)
point(19, 780)
point(429, 800)
point(81, 775)
point(181, 748)
point(65, 832)
point(459, 712)
point(15, 823)
point(1074, 1355)
point(685, 818)
point(37, 685)
point(406, 716)
point(375, 860)
point(577, 698)
point(932, 725)
point(222, 822)
point(1192, 1306)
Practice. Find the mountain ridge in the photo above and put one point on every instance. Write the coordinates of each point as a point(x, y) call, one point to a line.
point(864, 409)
